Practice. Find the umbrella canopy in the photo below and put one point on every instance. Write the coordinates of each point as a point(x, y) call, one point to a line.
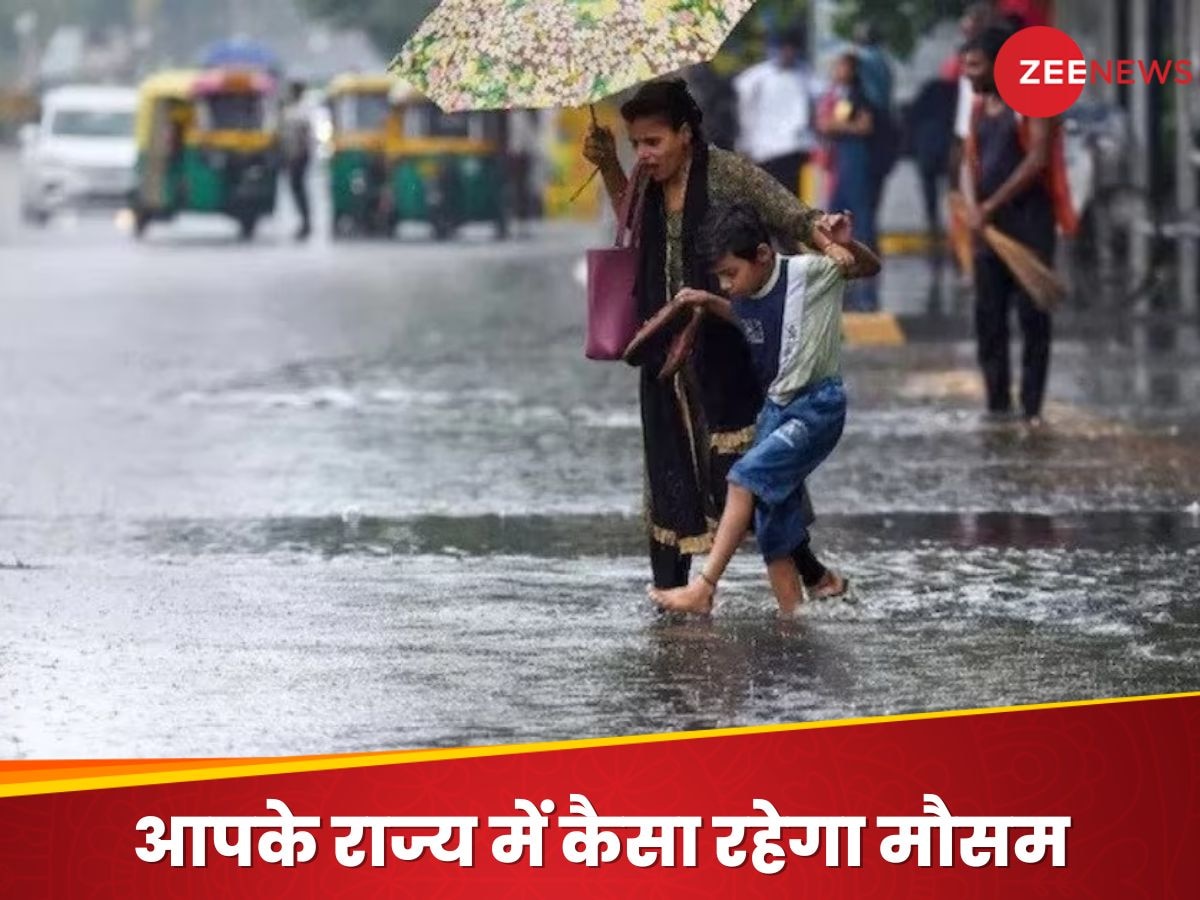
point(240, 53)
point(497, 54)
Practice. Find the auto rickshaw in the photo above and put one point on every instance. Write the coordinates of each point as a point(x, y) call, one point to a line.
point(447, 169)
point(207, 142)
point(363, 121)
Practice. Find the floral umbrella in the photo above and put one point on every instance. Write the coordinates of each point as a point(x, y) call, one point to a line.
point(534, 54)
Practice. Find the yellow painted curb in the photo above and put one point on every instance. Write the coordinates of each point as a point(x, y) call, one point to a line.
point(906, 243)
point(872, 330)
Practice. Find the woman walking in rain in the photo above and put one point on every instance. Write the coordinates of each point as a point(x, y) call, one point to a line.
point(847, 121)
point(699, 422)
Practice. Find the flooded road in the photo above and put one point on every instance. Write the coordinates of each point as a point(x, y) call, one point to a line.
point(269, 498)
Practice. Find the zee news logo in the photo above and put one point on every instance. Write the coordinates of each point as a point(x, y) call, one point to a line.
point(1083, 71)
point(1041, 72)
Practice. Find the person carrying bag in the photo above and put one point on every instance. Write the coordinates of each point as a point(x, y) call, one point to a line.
point(612, 307)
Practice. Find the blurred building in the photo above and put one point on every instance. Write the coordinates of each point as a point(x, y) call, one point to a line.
point(1164, 119)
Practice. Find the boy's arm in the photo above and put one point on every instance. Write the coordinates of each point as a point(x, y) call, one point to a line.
point(718, 306)
point(866, 264)
point(827, 246)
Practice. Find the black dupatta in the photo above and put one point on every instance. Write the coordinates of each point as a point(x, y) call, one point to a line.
point(696, 424)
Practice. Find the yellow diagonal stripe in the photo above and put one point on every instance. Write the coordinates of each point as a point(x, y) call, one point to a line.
point(205, 770)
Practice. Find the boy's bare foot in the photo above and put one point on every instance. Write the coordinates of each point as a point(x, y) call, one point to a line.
point(696, 598)
point(831, 587)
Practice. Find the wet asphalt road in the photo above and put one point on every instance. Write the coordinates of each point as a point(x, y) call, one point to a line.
point(261, 499)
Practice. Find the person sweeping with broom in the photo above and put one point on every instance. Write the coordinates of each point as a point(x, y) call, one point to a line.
point(1006, 182)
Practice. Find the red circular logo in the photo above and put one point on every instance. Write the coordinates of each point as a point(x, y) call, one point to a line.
point(1040, 72)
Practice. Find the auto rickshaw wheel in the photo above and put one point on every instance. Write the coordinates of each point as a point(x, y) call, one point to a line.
point(443, 229)
point(344, 226)
point(247, 225)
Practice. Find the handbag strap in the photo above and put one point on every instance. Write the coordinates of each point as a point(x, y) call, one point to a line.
point(629, 215)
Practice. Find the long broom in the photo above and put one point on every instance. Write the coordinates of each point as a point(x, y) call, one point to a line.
point(960, 235)
point(1042, 284)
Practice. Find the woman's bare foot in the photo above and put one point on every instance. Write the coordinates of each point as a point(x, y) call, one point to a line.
point(830, 587)
point(696, 598)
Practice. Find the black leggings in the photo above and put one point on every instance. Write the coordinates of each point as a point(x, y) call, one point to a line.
point(298, 182)
point(996, 292)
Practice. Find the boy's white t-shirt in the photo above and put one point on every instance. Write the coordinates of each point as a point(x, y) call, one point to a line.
point(794, 325)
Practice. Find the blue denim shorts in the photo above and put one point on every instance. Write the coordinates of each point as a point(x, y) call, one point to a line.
point(790, 442)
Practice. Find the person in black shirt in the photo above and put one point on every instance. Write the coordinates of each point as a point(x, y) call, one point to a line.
point(1004, 179)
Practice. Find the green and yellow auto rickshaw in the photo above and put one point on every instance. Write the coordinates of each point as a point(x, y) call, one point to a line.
point(447, 169)
point(363, 120)
point(207, 142)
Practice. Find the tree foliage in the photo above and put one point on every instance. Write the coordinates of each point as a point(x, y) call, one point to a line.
point(901, 23)
point(96, 14)
point(388, 22)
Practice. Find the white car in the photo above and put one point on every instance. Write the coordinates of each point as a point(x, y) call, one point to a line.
point(81, 153)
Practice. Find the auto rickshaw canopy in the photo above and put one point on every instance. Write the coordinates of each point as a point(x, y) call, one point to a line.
point(191, 84)
point(358, 83)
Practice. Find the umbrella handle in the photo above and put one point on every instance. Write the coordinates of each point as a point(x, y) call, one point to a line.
point(584, 186)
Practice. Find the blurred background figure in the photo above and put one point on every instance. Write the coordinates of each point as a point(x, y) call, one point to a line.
point(1024, 13)
point(929, 134)
point(876, 83)
point(847, 121)
point(297, 142)
point(717, 98)
point(977, 18)
point(874, 70)
point(524, 149)
point(775, 110)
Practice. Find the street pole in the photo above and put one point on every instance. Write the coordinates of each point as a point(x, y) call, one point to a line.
point(25, 25)
point(1140, 120)
point(1186, 27)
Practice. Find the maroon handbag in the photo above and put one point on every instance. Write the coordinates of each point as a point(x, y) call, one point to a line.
point(612, 310)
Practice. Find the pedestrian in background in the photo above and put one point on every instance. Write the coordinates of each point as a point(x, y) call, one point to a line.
point(297, 141)
point(1010, 14)
point(717, 99)
point(524, 150)
point(976, 18)
point(876, 84)
point(874, 70)
point(1006, 163)
point(929, 134)
point(775, 111)
point(846, 120)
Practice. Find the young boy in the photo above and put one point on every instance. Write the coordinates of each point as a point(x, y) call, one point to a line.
point(790, 309)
